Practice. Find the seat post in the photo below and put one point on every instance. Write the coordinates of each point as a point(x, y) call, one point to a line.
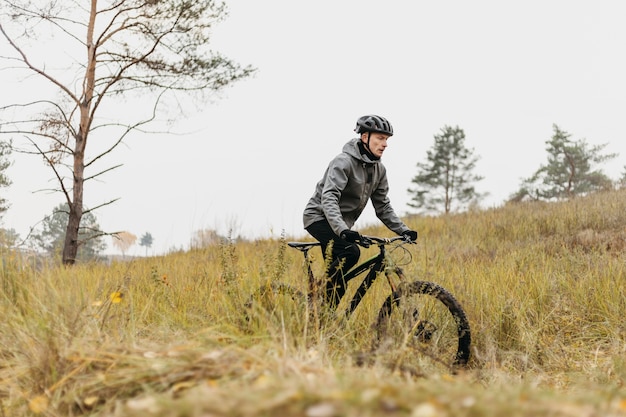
point(304, 247)
point(309, 270)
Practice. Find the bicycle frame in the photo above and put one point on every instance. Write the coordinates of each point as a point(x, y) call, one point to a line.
point(430, 309)
point(376, 264)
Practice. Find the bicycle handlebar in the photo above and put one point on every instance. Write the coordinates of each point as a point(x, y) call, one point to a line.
point(366, 241)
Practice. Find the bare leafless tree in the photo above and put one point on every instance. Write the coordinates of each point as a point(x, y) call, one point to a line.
point(93, 54)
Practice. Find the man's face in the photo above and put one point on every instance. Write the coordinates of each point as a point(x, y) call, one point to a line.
point(377, 143)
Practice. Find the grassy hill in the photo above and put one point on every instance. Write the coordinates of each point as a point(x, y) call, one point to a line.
point(543, 284)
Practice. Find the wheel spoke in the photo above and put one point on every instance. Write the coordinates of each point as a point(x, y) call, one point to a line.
point(423, 323)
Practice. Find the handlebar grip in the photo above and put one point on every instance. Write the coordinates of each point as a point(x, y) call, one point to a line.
point(407, 239)
point(365, 241)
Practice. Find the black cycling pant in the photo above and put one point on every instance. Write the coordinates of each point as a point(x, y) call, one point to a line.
point(344, 255)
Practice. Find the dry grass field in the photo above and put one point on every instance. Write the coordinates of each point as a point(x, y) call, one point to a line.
point(543, 285)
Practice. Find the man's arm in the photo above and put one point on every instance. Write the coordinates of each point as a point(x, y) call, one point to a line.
point(336, 181)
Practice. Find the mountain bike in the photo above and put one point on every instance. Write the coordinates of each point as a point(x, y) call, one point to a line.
point(417, 317)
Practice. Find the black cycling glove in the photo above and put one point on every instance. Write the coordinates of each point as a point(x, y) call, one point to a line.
point(410, 235)
point(350, 236)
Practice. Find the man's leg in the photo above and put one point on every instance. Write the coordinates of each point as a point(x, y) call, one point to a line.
point(344, 255)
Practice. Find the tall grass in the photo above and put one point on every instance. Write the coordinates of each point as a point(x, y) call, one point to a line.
point(543, 285)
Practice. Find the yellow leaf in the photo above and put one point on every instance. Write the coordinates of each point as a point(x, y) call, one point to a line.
point(116, 297)
point(38, 404)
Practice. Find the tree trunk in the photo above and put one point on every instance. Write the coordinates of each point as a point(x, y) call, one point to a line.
point(70, 248)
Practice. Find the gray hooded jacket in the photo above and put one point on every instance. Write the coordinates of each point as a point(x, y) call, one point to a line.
point(350, 180)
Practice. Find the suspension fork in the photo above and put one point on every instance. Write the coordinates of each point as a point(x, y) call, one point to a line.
point(394, 270)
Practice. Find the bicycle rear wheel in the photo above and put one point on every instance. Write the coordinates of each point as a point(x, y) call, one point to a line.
point(420, 321)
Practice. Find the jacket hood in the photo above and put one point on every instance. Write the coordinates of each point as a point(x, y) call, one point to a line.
point(352, 149)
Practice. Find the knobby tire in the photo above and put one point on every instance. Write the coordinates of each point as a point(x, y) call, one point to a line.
point(415, 327)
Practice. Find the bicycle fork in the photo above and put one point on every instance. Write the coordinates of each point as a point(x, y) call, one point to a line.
point(399, 272)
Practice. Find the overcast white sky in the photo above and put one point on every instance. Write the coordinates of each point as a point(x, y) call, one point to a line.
point(503, 71)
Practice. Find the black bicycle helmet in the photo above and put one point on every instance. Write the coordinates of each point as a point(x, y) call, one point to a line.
point(373, 123)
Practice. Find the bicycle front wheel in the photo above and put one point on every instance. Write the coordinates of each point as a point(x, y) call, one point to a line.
point(422, 322)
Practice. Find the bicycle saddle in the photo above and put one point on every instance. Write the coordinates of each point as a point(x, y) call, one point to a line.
point(303, 245)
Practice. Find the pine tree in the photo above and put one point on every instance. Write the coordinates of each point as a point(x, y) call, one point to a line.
point(445, 182)
point(146, 240)
point(570, 170)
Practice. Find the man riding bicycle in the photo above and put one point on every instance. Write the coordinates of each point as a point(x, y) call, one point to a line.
point(352, 178)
